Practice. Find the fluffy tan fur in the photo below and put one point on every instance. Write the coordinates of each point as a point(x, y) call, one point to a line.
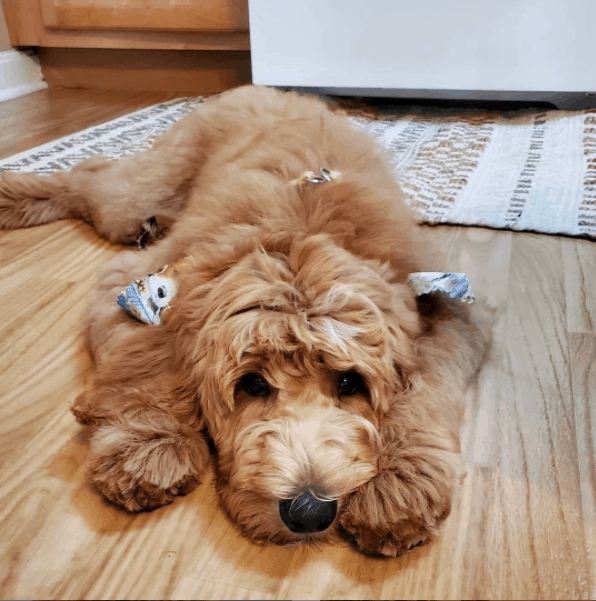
point(296, 283)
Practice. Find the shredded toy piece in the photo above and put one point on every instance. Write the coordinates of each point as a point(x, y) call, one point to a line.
point(310, 177)
point(147, 297)
point(453, 285)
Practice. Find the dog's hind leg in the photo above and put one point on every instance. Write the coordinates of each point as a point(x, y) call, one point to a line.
point(122, 199)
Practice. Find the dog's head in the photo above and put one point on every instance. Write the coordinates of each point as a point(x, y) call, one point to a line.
point(297, 356)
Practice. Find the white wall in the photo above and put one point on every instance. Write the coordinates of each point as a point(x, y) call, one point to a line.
point(526, 45)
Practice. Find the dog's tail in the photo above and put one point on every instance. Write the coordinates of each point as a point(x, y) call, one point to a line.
point(28, 199)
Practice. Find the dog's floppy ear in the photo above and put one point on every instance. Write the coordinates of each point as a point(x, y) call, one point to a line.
point(154, 366)
point(455, 334)
point(403, 328)
point(428, 328)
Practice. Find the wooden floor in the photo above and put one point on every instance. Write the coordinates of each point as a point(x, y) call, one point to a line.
point(524, 526)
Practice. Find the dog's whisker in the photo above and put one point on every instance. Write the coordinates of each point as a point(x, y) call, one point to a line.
point(298, 503)
point(323, 498)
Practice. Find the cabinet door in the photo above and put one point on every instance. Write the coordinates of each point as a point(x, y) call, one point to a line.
point(198, 15)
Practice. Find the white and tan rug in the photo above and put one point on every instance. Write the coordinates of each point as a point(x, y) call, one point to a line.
point(522, 170)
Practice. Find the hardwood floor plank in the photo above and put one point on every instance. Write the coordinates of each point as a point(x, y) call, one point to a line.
point(583, 357)
point(579, 263)
point(46, 283)
point(50, 114)
point(538, 463)
point(335, 573)
point(193, 588)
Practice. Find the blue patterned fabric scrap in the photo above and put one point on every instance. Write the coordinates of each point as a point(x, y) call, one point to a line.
point(453, 285)
point(147, 297)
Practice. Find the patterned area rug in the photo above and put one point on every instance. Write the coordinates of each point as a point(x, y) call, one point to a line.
point(520, 170)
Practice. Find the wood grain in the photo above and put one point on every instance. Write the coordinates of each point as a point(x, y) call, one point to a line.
point(579, 257)
point(522, 527)
point(583, 356)
point(193, 588)
point(206, 15)
point(27, 28)
point(192, 72)
point(39, 118)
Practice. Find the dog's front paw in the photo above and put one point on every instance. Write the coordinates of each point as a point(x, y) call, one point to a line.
point(145, 459)
point(388, 516)
point(387, 540)
point(138, 495)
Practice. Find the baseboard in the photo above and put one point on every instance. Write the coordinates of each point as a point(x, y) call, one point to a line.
point(187, 71)
point(20, 74)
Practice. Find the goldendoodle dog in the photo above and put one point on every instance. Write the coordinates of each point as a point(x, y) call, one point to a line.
point(332, 394)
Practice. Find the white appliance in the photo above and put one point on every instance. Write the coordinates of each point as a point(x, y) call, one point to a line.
point(475, 49)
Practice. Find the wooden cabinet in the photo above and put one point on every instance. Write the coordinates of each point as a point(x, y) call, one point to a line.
point(176, 15)
point(196, 46)
point(150, 24)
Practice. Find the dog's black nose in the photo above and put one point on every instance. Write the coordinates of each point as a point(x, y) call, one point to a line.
point(306, 513)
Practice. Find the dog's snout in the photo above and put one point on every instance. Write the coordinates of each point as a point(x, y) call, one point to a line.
point(306, 513)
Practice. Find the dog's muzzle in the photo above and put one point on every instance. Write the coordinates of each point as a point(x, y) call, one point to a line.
point(306, 513)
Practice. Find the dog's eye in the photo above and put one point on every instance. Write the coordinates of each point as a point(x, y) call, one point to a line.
point(350, 383)
point(255, 384)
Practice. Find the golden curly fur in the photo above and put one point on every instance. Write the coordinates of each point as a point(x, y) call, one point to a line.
point(293, 340)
